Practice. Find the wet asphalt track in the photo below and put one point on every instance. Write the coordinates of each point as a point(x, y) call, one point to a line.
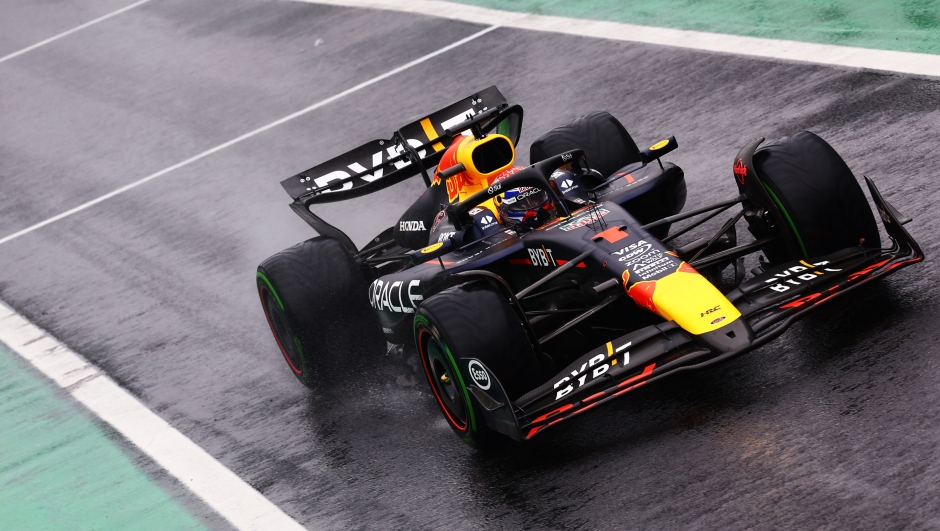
point(834, 426)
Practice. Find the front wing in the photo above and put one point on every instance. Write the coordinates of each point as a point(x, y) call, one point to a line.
point(769, 304)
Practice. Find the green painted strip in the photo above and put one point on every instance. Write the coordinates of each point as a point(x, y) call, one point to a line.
point(904, 25)
point(58, 470)
point(786, 215)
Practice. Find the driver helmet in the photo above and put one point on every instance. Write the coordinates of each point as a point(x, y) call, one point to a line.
point(525, 207)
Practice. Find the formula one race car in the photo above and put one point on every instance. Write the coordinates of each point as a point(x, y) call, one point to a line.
point(535, 293)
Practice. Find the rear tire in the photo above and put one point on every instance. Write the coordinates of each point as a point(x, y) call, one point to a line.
point(315, 300)
point(473, 320)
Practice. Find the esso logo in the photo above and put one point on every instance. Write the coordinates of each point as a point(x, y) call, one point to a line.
point(479, 375)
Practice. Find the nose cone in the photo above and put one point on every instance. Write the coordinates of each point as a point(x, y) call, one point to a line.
point(734, 336)
point(686, 297)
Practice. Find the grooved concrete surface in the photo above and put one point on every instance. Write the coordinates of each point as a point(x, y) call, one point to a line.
point(833, 426)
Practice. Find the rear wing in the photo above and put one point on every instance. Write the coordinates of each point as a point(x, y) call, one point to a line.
point(411, 150)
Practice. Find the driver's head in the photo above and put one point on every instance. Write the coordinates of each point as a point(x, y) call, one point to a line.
point(525, 207)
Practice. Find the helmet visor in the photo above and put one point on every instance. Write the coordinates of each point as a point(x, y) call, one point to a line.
point(525, 199)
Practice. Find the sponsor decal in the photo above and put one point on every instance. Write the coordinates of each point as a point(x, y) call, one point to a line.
point(497, 186)
point(486, 220)
point(797, 276)
point(395, 296)
point(431, 248)
point(455, 184)
point(718, 320)
point(479, 375)
point(476, 211)
point(580, 221)
point(523, 193)
point(740, 170)
point(645, 261)
point(566, 157)
point(459, 119)
point(411, 226)
point(594, 368)
point(632, 251)
point(542, 257)
point(567, 185)
point(437, 219)
point(355, 168)
point(386, 154)
point(380, 157)
point(509, 172)
point(659, 145)
point(711, 310)
point(822, 296)
point(445, 236)
point(557, 222)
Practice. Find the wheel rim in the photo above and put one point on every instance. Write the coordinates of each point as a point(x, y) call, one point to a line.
point(443, 380)
point(288, 344)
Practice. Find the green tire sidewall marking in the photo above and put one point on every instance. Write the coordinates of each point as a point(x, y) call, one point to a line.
point(786, 216)
point(270, 287)
point(303, 359)
point(450, 357)
point(300, 349)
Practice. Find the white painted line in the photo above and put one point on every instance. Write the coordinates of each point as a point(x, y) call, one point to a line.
point(248, 135)
point(73, 30)
point(226, 493)
point(827, 54)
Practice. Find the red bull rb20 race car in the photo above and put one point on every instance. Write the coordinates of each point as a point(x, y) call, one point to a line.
point(535, 293)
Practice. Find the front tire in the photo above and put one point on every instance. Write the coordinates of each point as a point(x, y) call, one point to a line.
point(473, 320)
point(315, 300)
point(822, 204)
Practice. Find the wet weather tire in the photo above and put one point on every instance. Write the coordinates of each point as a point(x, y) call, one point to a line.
point(316, 303)
point(473, 320)
point(818, 196)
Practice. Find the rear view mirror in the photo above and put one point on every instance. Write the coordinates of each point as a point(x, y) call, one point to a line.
point(658, 149)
